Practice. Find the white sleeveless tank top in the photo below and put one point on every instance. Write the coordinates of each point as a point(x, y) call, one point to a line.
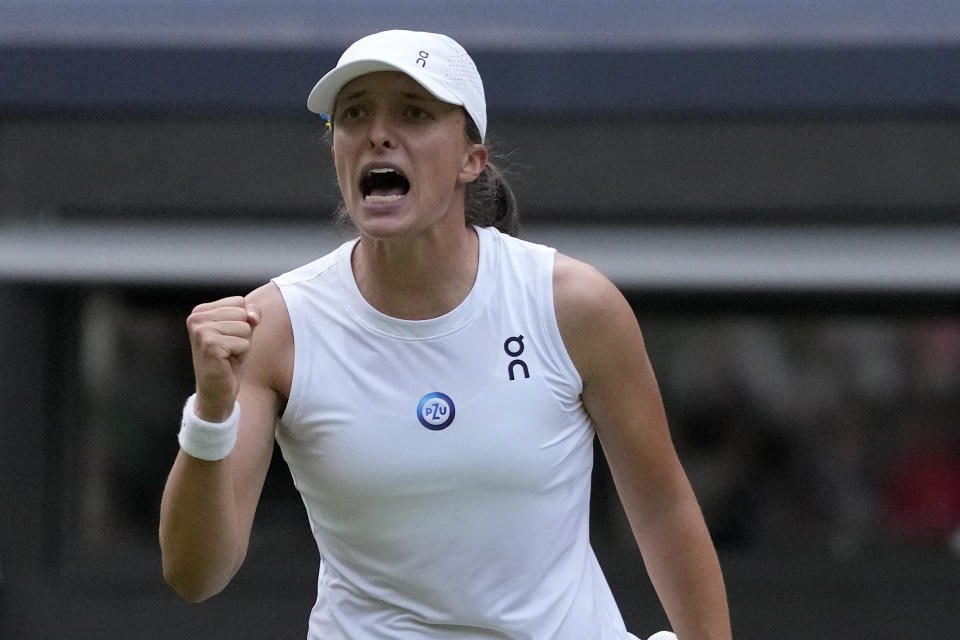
point(444, 464)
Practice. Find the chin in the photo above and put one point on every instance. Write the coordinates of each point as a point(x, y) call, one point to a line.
point(383, 227)
point(403, 219)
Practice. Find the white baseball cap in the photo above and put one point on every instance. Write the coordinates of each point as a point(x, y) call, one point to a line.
point(437, 62)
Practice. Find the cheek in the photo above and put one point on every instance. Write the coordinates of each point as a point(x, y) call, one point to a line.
point(444, 158)
point(344, 187)
point(340, 168)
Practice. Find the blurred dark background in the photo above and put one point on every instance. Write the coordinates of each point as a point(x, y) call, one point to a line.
point(774, 184)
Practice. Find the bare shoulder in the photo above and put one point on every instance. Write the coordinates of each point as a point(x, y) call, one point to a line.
point(268, 299)
point(581, 285)
point(272, 348)
point(592, 314)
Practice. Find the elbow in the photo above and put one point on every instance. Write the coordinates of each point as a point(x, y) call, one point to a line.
point(186, 586)
point(194, 569)
point(190, 584)
point(187, 589)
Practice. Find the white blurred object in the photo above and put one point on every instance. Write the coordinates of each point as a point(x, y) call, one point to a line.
point(663, 635)
point(955, 542)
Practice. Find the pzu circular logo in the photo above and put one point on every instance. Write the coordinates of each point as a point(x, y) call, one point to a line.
point(436, 411)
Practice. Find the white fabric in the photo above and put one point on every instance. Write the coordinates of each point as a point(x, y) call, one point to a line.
point(207, 440)
point(431, 528)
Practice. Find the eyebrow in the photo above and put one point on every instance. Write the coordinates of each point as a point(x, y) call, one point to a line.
point(409, 95)
point(353, 96)
point(425, 97)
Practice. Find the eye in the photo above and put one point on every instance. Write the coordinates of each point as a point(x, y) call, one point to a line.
point(415, 113)
point(353, 112)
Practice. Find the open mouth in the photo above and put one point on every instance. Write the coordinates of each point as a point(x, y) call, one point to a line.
point(383, 185)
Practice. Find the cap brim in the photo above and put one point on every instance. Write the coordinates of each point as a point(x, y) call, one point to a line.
point(323, 97)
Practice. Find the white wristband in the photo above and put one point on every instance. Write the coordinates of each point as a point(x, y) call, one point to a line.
point(208, 440)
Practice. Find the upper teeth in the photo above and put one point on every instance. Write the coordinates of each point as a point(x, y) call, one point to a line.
point(383, 170)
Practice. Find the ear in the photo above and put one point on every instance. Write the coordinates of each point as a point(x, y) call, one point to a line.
point(473, 163)
point(333, 154)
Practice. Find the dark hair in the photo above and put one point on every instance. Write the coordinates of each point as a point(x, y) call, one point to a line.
point(489, 200)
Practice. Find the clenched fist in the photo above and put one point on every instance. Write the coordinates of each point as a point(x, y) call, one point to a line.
point(220, 338)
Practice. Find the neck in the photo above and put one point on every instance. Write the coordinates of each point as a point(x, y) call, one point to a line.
point(417, 278)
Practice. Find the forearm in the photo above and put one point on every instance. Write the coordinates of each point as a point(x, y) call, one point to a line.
point(683, 567)
point(201, 539)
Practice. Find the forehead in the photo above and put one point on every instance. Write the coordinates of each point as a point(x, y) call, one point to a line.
point(385, 84)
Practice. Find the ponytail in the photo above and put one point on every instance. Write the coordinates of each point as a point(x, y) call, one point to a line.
point(489, 199)
point(490, 202)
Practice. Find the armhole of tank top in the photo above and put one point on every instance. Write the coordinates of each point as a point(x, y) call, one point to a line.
point(558, 351)
point(291, 412)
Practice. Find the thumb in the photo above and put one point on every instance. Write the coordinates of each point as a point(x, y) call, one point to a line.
point(253, 315)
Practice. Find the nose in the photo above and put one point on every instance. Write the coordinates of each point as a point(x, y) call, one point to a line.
point(381, 133)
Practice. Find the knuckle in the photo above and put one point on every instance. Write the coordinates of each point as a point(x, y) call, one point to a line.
point(208, 343)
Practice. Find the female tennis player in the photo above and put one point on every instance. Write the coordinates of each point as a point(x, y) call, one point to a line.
point(435, 386)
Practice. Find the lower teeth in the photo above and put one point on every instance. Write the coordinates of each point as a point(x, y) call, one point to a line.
point(381, 199)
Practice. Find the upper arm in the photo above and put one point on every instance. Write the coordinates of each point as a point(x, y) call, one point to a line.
point(264, 387)
point(621, 395)
point(620, 391)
